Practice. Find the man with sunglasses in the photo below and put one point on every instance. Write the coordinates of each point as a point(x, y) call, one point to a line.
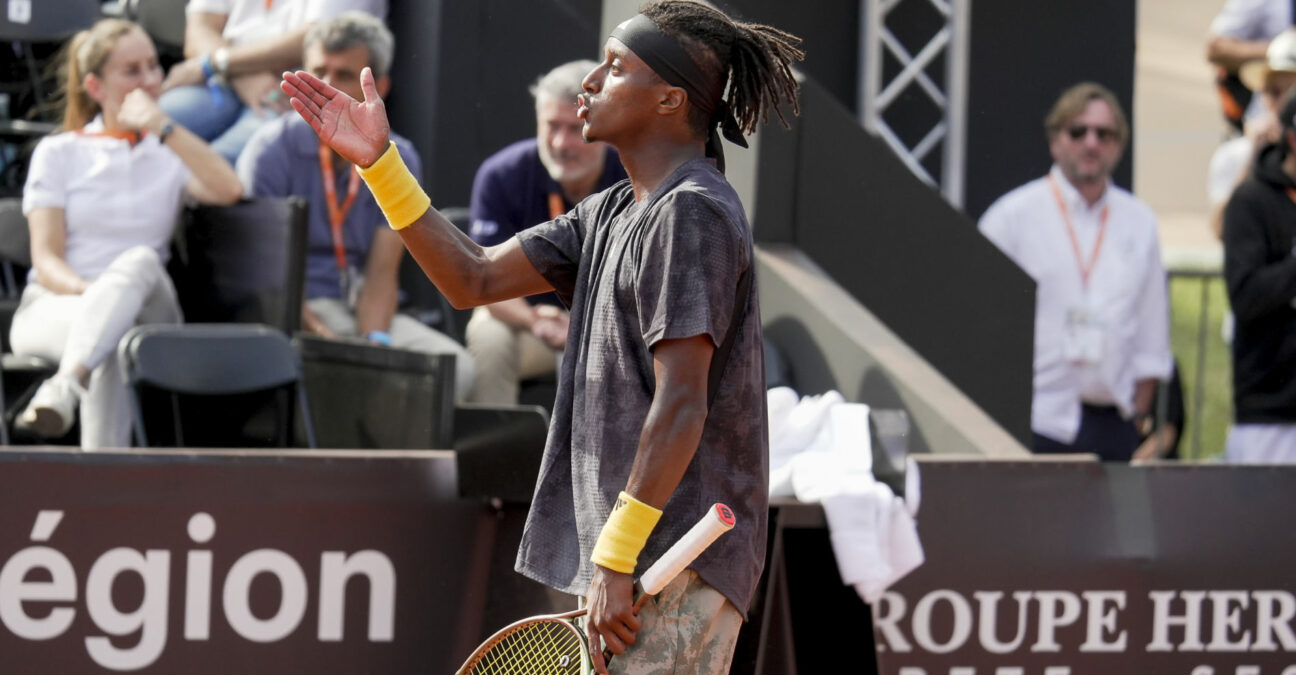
point(1102, 337)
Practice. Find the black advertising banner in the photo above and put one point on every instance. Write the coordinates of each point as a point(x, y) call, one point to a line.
point(1071, 567)
point(243, 563)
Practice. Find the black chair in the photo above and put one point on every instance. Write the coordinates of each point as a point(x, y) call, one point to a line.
point(164, 21)
point(42, 22)
point(214, 385)
point(19, 375)
point(243, 263)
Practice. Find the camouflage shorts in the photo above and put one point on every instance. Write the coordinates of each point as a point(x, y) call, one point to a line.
point(688, 629)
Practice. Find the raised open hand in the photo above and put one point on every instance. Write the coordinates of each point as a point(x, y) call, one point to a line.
point(357, 130)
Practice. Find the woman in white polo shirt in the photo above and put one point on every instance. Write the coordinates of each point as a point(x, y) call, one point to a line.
point(101, 200)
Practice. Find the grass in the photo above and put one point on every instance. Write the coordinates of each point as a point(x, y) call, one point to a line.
point(1199, 348)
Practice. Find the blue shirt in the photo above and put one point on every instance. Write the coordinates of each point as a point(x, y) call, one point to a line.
point(282, 160)
point(511, 193)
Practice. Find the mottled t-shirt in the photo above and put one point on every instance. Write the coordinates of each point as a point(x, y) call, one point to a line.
point(633, 274)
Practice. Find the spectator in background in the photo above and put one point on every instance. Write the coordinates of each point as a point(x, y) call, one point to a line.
point(1101, 317)
point(235, 51)
point(102, 199)
point(1241, 32)
point(352, 258)
point(1271, 77)
point(527, 183)
point(1260, 272)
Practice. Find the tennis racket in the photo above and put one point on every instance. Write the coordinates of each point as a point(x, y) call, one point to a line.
point(556, 644)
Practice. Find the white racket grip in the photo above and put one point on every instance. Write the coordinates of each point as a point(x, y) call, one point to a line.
point(718, 520)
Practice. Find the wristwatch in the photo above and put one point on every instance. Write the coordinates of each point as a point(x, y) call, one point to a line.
point(220, 60)
point(165, 131)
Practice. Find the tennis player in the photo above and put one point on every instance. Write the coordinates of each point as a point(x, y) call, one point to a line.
point(661, 400)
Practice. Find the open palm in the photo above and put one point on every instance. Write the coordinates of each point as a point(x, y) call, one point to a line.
point(357, 130)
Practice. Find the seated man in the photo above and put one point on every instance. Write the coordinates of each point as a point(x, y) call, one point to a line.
point(352, 258)
point(527, 183)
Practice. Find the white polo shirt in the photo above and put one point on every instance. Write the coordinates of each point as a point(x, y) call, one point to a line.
point(1125, 298)
point(255, 20)
point(114, 196)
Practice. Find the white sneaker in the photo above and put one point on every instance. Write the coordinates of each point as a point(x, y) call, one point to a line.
point(53, 407)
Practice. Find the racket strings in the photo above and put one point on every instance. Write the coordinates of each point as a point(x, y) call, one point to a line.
point(538, 648)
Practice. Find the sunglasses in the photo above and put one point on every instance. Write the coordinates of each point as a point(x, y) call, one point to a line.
point(1105, 134)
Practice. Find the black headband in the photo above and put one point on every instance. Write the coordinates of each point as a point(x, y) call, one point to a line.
point(672, 63)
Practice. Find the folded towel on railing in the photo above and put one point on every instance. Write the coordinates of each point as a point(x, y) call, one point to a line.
point(820, 451)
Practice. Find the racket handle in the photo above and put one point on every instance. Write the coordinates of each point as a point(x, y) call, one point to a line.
point(718, 520)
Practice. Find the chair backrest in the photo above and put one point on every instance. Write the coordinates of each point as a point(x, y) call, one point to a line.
point(47, 20)
point(15, 247)
point(163, 20)
point(243, 263)
point(214, 365)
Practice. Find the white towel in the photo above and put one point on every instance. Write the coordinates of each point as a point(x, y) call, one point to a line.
point(874, 539)
point(820, 451)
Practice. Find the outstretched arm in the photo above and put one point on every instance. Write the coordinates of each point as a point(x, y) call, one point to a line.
point(466, 274)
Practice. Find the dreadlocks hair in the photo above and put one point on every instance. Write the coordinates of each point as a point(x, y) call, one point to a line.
point(755, 60)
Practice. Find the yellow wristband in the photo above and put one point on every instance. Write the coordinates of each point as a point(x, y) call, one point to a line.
point(395, 189)
point(624, 534)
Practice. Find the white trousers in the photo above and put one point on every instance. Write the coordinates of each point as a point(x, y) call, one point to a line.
point(406, 333)
point(1261, 444)
point(505, 356)
point(83, 330)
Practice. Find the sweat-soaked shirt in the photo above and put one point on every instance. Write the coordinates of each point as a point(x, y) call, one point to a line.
point(634, 274)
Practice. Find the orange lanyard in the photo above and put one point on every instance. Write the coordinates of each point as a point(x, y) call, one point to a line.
point(268, 3)
point(1085, 268)
point(556, 206)
point(337, 214)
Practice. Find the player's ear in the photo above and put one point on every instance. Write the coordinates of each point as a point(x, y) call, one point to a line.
point(672, 101)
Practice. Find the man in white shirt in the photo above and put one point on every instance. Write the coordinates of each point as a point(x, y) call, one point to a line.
point(1101, 318)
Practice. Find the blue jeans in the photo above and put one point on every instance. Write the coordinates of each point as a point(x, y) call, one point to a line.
point(223, 121)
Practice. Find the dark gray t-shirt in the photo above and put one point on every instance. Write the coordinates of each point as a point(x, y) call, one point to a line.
point(634, 274)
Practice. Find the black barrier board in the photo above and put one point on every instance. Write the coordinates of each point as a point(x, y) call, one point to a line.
point(1064, 568)
point(245, 563)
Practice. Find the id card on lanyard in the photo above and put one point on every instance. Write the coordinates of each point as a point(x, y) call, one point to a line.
point(1083, 332)
point(337, 215)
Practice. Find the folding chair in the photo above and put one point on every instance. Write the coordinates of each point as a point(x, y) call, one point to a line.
point(214, 385)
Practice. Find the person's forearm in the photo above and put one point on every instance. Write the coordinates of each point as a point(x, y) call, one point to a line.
point(669, 440)
point(375, 307)
point(55, 275)
point(203, 33)
point(452, 261)
point(1144, 391)
point(515, 313)
point(212, 179)
point(1231, 53)
point(273, 55)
